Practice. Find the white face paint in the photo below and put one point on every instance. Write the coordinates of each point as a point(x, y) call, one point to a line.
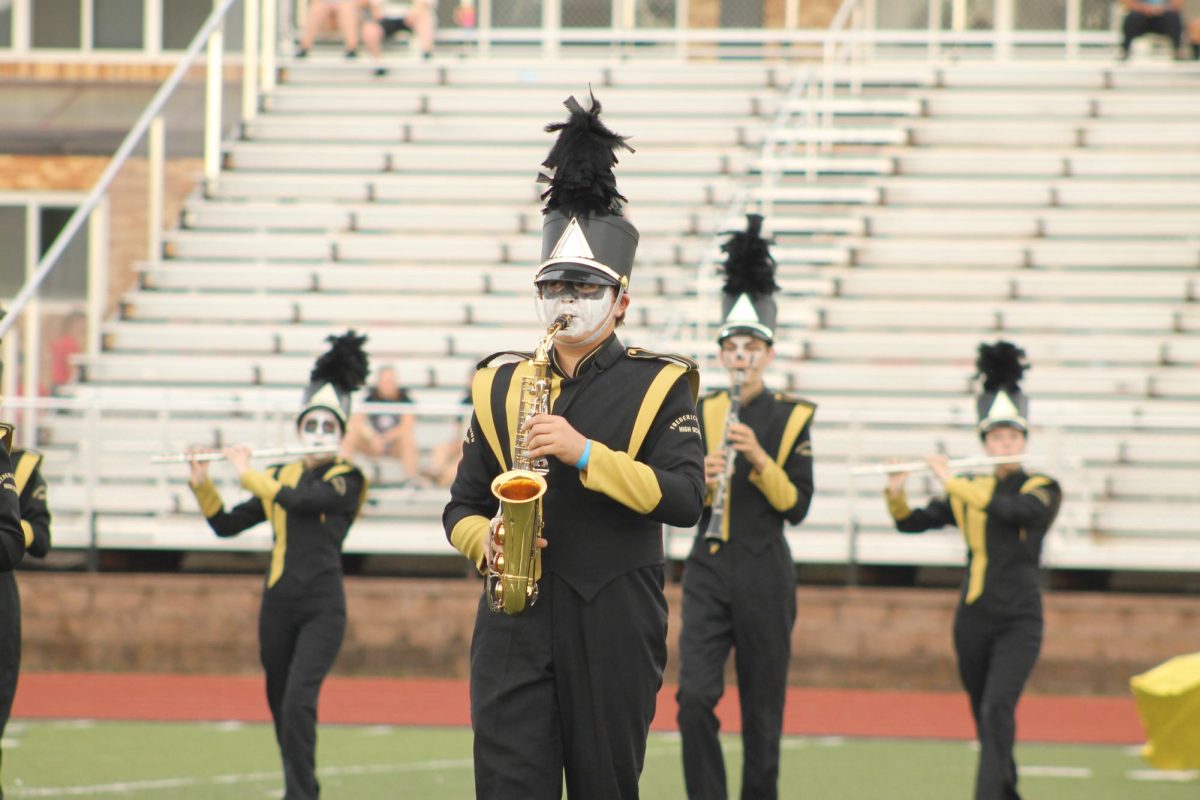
point(745, 352)
point(320, 428)
point(589, 307)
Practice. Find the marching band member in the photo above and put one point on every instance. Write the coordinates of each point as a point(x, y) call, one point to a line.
point(311, 504)
point(568, 686)
point(739, 582)
point(35, 528)
point(1004, 517)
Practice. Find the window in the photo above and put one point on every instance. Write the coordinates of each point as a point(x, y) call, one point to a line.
point(6, 26)
point(118, 24)
point(56, 24)
point(12, 255)
point(68, 280)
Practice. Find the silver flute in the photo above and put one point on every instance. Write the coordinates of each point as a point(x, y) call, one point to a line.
point(216, 455)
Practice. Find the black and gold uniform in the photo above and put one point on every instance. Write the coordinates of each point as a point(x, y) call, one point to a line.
point(998, 622)
point(12, 533)
point(570, 684)
point(1004, 518)
point(739, 582)
point(741, 594)
point(35, 527)
point(303, 614)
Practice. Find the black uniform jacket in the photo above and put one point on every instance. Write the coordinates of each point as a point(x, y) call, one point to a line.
point(1004, 523)
point(646, 465)
point(12, 537)
point(757, 504)
point(310, 512)
point(34, 510)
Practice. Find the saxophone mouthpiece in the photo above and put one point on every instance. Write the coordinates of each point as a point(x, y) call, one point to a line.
point(563, 321)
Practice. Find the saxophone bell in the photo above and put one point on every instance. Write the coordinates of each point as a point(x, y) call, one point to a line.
point(512, 581)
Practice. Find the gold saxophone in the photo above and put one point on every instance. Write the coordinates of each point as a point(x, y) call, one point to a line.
point(511, 581)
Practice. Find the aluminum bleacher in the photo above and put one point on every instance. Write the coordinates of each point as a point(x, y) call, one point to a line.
point(944, 205)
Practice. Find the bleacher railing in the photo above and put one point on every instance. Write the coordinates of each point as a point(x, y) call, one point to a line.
point(106, 493)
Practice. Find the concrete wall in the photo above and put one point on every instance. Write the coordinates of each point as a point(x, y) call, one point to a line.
point(881, 638)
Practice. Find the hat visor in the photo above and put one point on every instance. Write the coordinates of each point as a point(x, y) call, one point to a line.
point(1002, 422)
point(575, 273)
point(748, 329)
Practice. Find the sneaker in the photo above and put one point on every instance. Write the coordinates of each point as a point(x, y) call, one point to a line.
point(301, 52)
point(380, 72)
point(351, 55)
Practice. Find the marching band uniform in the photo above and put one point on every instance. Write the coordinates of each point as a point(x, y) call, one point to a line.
point(998, 621)
point(569, 685)
point(12, 534)
point(35, 528)
point(302, 620)
point(739, 583)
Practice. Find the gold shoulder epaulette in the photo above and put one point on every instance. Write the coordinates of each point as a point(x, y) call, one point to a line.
point(674, 358)
point(785, 397)
point(487, 362)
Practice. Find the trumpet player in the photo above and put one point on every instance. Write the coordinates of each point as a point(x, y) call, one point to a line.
point(739, 582)
point(1004, 517)
point(566, 689)
point(311, 504)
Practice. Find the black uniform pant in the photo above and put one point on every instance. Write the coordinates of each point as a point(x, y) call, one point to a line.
point(738, 599)
point(10, 650)
point(995, 657)
point(568, 688)
point(300, 631)
point(1136, 24)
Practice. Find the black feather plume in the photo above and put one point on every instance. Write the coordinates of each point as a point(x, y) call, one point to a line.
point(749, 266)
point(579, 166)
point(344, 364)
point(1001, 365)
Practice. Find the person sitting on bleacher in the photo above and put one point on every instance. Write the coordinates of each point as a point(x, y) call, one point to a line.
point(1194, 37)
point(420, 20)
point(385, 434)
point(355, 19)
point(1152, 16)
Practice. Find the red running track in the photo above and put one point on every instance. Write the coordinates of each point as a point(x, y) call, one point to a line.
point(385, 701)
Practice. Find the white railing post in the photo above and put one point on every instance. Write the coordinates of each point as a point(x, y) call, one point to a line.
point(152, 29)
point(270, 43)
point(249, 60)
point(21, 27)
point(682, 12)
point(97, 284)
point(1004, 25)
point(212, 106)
point(935, 28)
point(8, 382)
point(1074, 22)
point(155, 190)
point(552, 27)
point(31, 331)
point(484, 27)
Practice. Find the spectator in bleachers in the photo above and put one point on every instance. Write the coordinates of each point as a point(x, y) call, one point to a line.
point(420, 20)
point(1194, 37)
point(1152, 16)
point(444, 457)
point(386, 434)
point(356, 20)
point(1004, 515)
point(66, 345)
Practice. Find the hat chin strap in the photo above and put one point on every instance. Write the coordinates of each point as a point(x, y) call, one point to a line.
point(612, 311)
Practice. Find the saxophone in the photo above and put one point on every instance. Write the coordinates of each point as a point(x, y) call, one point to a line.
point(511, 585)
point(713, 534)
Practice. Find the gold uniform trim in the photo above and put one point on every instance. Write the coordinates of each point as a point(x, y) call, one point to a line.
point(651, 403)
point(26, 464)
point(615, 474)
point(344, 468)
point(776, 486)
point(288, 475)
point(897, 505)
point(469, 537)
point(209, 498)
point(262, 485)
point(481, 398)
point(28, 531)
point(968, 499)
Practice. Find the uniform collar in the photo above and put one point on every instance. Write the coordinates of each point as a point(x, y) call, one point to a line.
point(602, 357)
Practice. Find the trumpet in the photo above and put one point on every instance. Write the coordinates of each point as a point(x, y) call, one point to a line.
point(954, 464)
point(277, 452)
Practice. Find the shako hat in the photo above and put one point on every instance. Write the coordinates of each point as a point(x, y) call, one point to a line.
point(336, 375)
point(748, 303)
point(1001, 401)
point(585, 237)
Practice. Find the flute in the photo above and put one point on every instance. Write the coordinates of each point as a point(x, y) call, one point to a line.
point(278, 452)
point(953, 465)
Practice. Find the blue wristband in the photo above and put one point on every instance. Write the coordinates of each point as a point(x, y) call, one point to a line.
point(582, 463)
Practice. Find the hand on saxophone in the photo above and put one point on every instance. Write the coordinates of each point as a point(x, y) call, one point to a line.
point(550, 435)
point(493, 547)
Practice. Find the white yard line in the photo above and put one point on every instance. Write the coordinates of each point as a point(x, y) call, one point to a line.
point(127, 787)
point(1054, 772)
point(1168, 775)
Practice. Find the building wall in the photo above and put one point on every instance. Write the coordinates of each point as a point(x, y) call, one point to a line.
point(894, 638)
